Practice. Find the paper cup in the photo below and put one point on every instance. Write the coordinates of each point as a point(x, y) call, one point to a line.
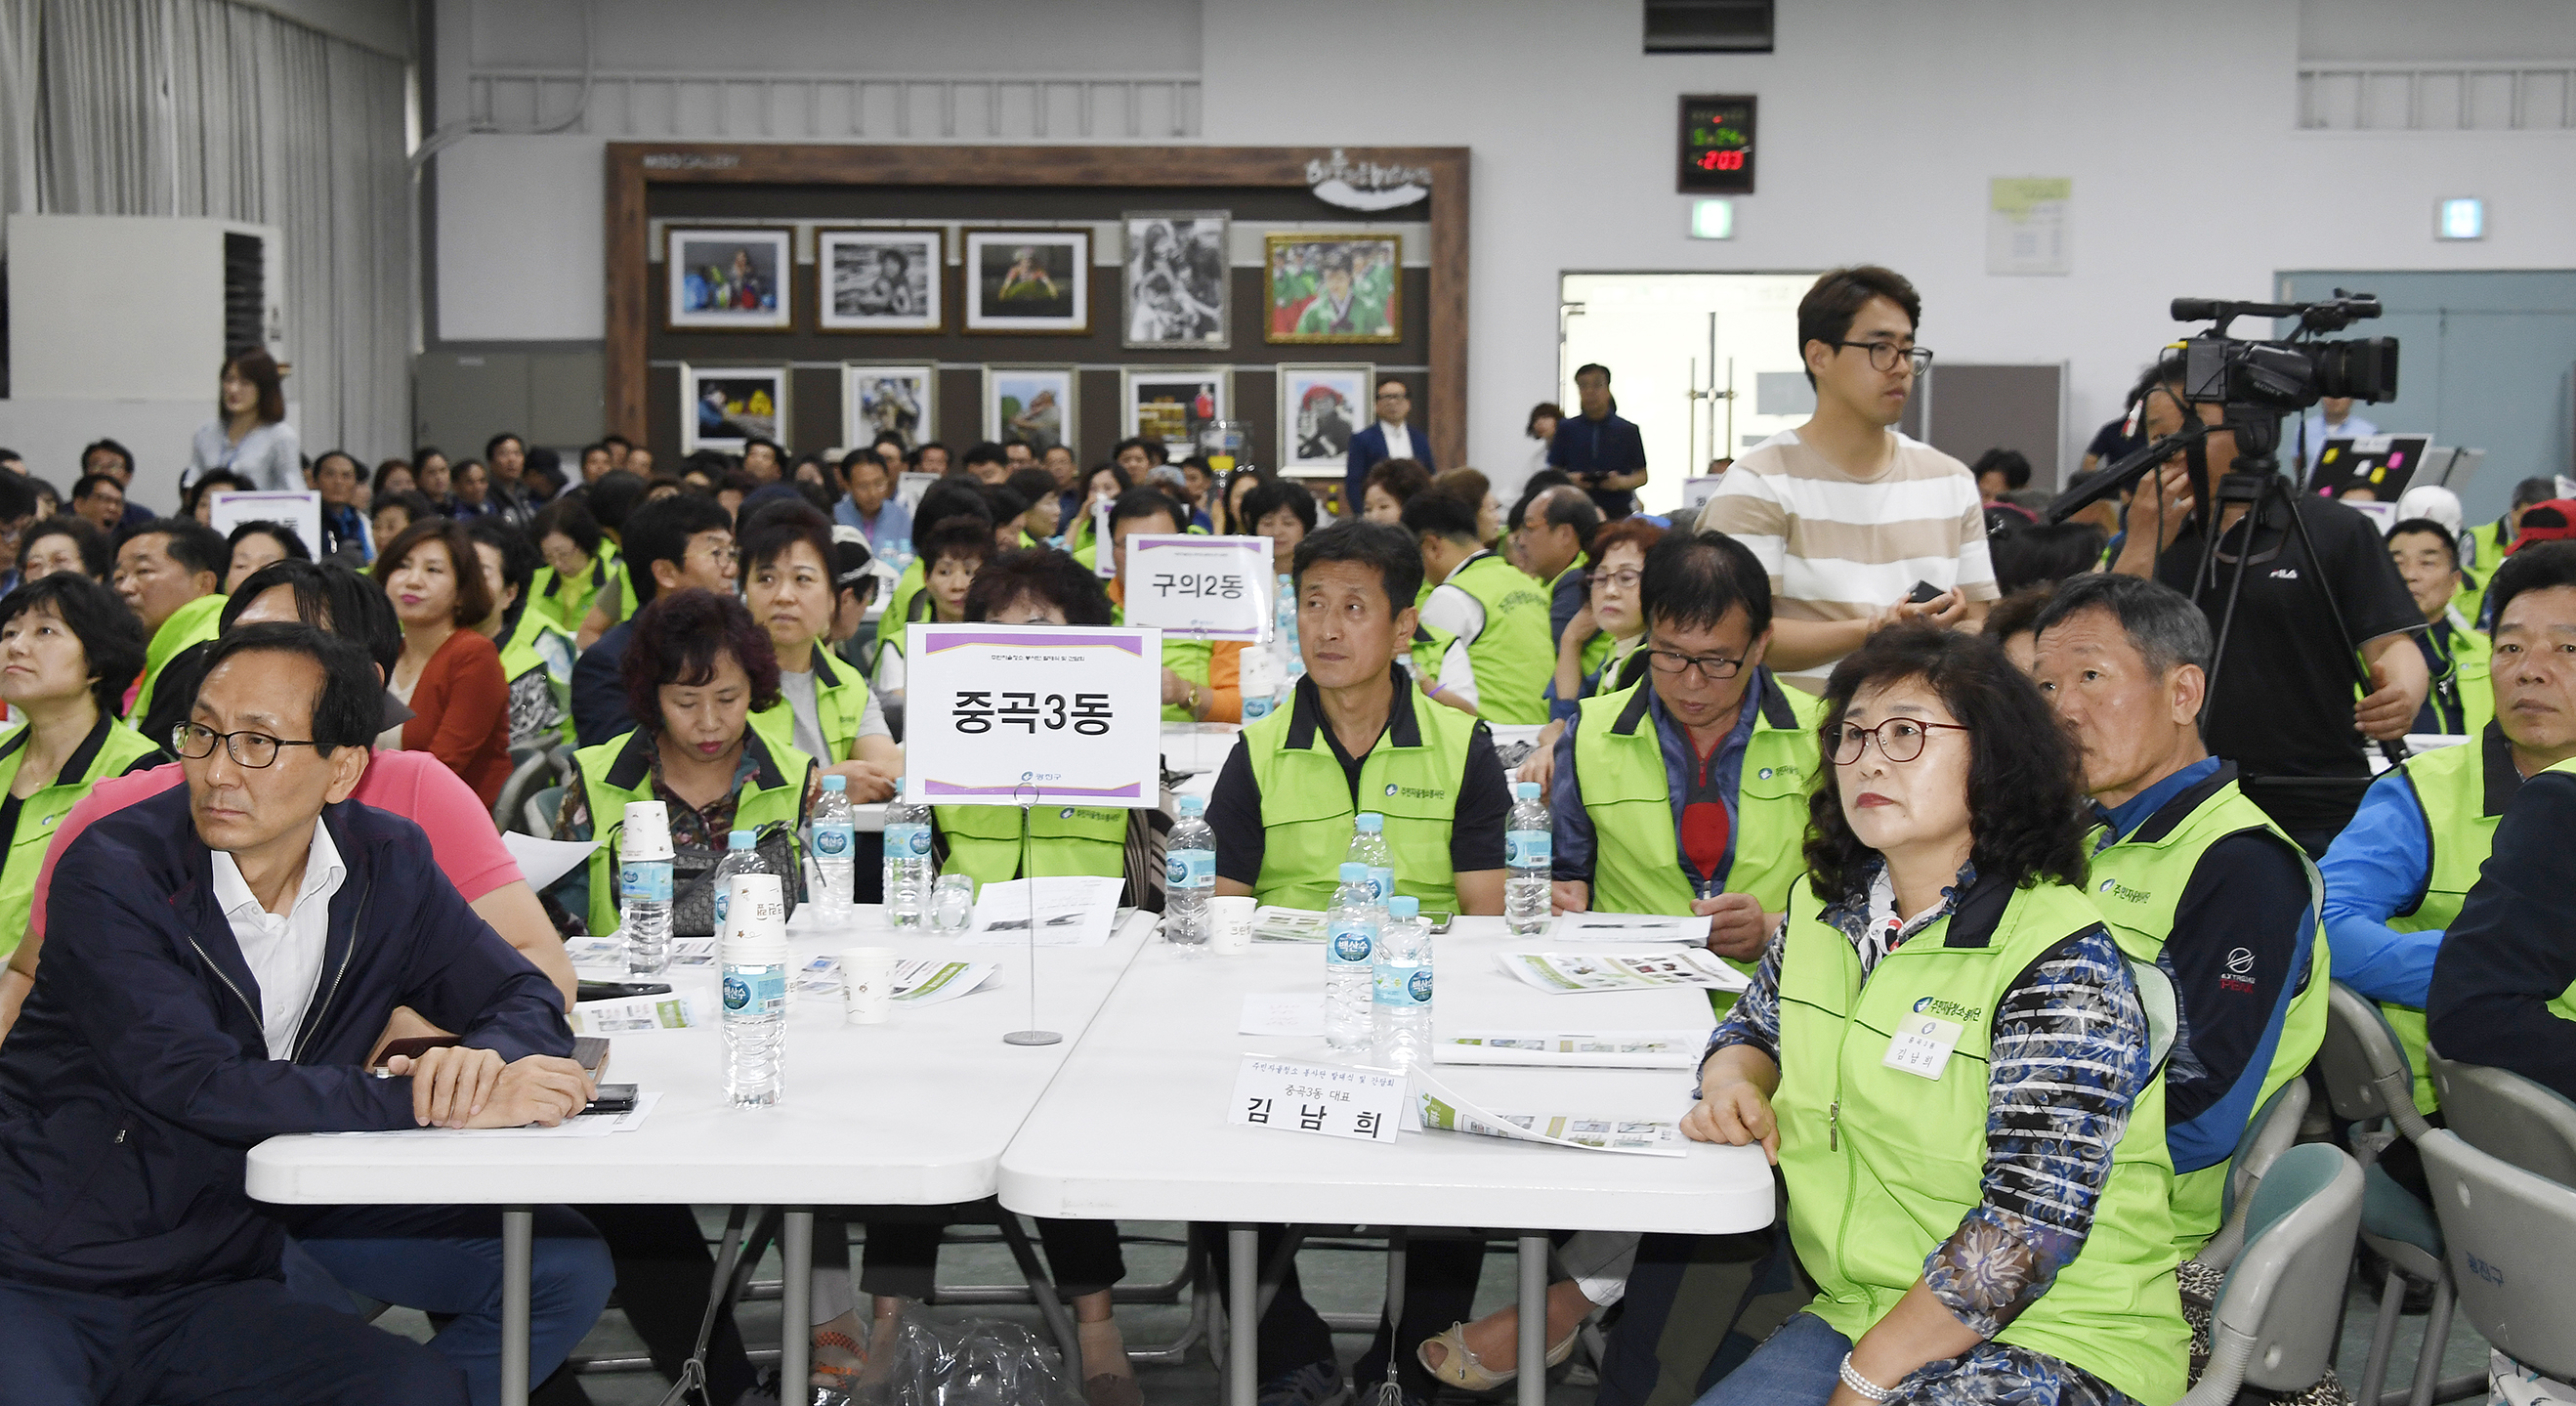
point(1230, 923)
point(646, 831)
point(867, 984)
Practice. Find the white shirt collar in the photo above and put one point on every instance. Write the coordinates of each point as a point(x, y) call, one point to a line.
point(323, 872)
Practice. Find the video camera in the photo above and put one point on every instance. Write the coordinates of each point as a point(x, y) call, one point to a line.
point(2260, 381)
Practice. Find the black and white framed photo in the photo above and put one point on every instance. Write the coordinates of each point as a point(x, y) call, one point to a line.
point(1028, 280)
point(878, 397)
point(1173, 281)
point(729, 278)
point(727, 407)
point(1031, 405)
point(1169, 403)
point(880, 280)
point(1321, 405)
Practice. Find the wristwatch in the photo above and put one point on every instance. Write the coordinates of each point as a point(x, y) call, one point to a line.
point(1193, 702)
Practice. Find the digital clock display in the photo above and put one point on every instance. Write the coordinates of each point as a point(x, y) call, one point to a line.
point(1717, 146)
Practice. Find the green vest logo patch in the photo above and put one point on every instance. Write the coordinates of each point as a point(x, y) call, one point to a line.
point(1417, 793)
point(2125, 893)
point(1949, 1010)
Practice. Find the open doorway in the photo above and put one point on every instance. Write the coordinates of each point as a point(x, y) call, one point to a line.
point(1706, 364)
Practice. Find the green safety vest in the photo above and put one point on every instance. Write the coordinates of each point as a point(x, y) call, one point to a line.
point(1429, 649)
point(194, 623)
point(899, 605)
point(2137, 884)
point(1514, 654)
point(613, 773)
point(2492, 539)
point(2472, 657)
point(1412, 777)
point(567, 606)
point(108, 751)
point(2460, 792)
point(537, 642)
point(1619, 767)
point(1882, 1165)
point(840, 705)
point(1187, 657)
point(1063, 841)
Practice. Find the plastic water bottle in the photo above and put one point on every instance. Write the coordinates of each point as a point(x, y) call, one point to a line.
point(907, 863)
point(1291, 658)
point(741, 857)
point(1400, 988)
point(1350, 949)
point(1260, 682)
point(644, 887)
point(835, 839)
point(1529, 846)
point(1368, 847)
point(1189, 873)
point(754, 943)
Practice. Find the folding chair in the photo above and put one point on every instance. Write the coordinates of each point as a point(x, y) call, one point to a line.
point(2273, 1326)
point(2503, 1114)
point(2512, 1246)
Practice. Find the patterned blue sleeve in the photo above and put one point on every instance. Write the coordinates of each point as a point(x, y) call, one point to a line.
point(1755, 1020)
point(2069, 1058)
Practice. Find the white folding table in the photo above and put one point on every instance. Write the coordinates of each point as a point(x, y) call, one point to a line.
point(915, 1111)
point(1136, 1126)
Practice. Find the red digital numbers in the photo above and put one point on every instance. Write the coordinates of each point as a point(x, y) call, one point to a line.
point(1720, 161)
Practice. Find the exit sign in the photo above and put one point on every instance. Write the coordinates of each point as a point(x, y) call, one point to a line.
point(1716, 146)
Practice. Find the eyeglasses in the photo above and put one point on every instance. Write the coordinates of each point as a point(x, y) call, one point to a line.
point(1673, 663)
point(1883, 356)
point(1899, 740)
point(1393, 395)
point(1624, 580)
point(251, 749)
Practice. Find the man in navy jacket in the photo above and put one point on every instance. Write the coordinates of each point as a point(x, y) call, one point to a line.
point(1373, 445)
point(150, 1057)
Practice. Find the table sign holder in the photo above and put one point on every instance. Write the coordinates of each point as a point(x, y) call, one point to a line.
point(1032, 1035)
point(1179, 620)
point(1081, 731)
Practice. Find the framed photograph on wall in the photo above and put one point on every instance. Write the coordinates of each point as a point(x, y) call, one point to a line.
point(727, 407)
point(1321, 405)
point(1169, 403)
point(878, 397)
point(1332, 288)
point(880, 280)
point(1172, 286)
point(1031, 404)
point(1029, 280)
point(729, 278)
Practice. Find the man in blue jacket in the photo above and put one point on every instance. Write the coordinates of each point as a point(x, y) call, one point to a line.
point(1387, 437)
point(222, 958)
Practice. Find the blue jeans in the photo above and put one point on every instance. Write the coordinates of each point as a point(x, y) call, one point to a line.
point(447, 1260)
point(1799, 1364)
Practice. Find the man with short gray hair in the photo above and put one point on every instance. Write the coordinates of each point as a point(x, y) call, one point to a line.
point(2189, 875)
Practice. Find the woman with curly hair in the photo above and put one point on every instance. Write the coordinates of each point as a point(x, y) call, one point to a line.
point(1939, 1049)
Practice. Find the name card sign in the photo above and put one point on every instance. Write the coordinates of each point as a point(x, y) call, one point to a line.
point(1214, 588)
point(297, 508)
point(1033, 715)
point(1303, 1097)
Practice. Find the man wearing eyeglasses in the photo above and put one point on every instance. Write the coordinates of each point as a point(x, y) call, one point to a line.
point(2190, 876)
point(671, 544)
point(1847, 515)
point(1687, 792)
point(223, 957)
point(1390, 436)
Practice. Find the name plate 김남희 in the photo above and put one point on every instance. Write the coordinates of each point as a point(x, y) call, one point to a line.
point(1304, 1097)
point(1033, 715)
point(1211, 587)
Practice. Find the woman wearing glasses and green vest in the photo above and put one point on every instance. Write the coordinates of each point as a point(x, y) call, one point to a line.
point(825, 708)
point(1936, 1050)
point(580, 563)
point(1201, 678)
point(67, 647)
point(695, 671)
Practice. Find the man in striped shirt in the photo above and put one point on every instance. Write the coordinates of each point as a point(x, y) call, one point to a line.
point(1846, 514)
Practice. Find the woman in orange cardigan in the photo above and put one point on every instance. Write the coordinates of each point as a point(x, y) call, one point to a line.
point(449, 674)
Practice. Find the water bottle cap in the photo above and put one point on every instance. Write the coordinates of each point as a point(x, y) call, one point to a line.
point(1526, 790)
point(740, 839)
point(836, 783)
point(1354, 873)
point(1403, 906)
point(1193, 805)
point(1371, 822)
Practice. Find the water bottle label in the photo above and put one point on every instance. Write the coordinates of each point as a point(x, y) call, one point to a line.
point(724, 904)
point(1255, 707)
point(1528, 849)
point(1403, 986)
point(831, 842)
point(1381, 883)
point(755, 991)
point(1349, 944)
point(644, 881)
point(1190, 868)
point(907, 842)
